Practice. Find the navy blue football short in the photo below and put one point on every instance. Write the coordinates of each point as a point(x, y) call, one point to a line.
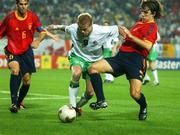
point(133, 65)
point(25, 60)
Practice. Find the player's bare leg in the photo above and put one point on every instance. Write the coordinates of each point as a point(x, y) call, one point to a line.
point(74, 84)
point(87, 95)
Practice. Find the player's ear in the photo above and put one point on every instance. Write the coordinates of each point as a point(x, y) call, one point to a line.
point(16, 6)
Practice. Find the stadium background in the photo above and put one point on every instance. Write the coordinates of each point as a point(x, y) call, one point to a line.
point(51, 54)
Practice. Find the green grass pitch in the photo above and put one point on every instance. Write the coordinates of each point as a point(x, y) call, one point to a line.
point(49, 91)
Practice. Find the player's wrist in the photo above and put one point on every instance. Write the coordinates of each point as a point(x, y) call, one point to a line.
point(59, 27)
point(39, 40)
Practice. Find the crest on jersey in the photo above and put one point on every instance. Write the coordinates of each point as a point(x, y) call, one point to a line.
point(30, 26)
point(17, 29)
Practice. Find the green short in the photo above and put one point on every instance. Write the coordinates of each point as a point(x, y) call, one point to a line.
point(78, 61)
point(152, 55)
point(107, 53)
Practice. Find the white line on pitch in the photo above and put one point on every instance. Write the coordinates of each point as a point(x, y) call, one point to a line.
point(40, 98)
point(37, 94)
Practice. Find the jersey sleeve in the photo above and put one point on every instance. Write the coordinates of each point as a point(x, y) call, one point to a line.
point(151, 34)
point(37, 23)
point(70, 28)
point(3, 27)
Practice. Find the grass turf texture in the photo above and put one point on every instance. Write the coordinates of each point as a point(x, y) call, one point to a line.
point(49, 91)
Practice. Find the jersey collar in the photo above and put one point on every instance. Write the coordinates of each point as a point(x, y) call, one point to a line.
point(20, 18)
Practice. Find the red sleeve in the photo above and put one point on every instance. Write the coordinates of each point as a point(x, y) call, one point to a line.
point(151, 33)
point(3, 27)
point(37, 23)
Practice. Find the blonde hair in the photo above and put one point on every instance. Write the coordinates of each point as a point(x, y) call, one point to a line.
point(84, 18)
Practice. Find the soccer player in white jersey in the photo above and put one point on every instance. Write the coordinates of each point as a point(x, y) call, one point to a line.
point(151, 60)
point(87, 41)
point(109, 50)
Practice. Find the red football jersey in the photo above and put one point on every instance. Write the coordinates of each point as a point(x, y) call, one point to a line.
point(144, 31)
point(20, 32)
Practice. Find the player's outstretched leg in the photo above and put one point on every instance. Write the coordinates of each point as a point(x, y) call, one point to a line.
point(96, 81)
point(84, 99)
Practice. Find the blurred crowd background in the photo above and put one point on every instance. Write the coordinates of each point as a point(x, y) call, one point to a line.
point(121, 12)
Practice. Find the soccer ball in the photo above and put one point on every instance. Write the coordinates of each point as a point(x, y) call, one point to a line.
point(66, 114)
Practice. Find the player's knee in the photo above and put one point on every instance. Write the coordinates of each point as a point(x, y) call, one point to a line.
point(76, 73)
point(14, 67)
point(27, 79)
point(92, 69)
point(15, 71)
point(135, 94)
point(76, 69)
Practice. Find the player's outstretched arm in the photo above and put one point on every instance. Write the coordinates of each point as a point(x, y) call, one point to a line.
point(53, 36)
point(36, 42)
point(56, 27)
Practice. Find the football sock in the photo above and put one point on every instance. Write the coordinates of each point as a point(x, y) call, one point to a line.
point(73, 90)
point(15, 81)
point(23, 92)
point(155, 75)
point(84, 99)
point(147, 77)
point(96, 81)
point(106, 76)
point(109, 77)
point(87, 96)
point(142, 101)
point(74, 84)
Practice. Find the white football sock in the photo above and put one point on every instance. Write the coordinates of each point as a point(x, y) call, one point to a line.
point(106, 76)
point(72, 95)
point(109, 77)
point(147, 77)
point(155, 75)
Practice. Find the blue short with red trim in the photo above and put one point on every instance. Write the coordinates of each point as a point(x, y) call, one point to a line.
point(133, 65)
point(25, 60)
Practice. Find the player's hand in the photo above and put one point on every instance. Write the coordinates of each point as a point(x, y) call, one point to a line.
point(121, 31)
point(35, 44)
point(126, 32)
